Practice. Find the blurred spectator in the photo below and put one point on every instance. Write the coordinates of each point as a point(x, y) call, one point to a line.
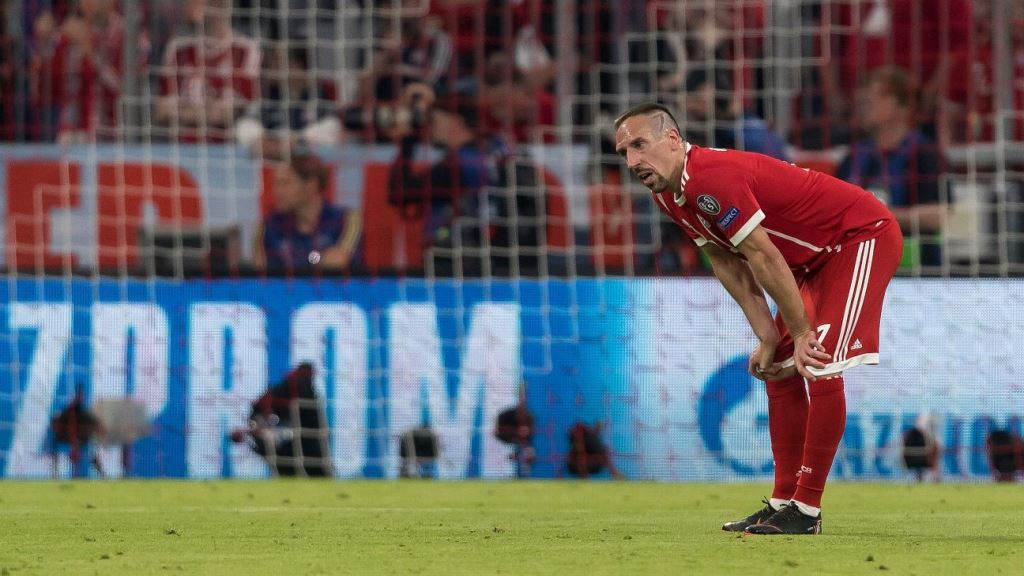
point(1005, 454)
point(924, 37)
point(588, 454)
point(448, 191)
point(970, 112)
point(519, 30)
point(713, 117)
point(43, 113)
point(8, 70)
point(419, 52)
point(77, 69)
point(165, 20)
point(668, 53)
point(921, 448)
point(821, 116)
point(518, 108)
point(210, 77)
point(59, 10)
point(306, 233)
point(597, 60)
point(899, 164)
point(515, 427)
point(729, 34)
point(288, 429)
point(532, 57)
point(331, 32)
point(295, 109)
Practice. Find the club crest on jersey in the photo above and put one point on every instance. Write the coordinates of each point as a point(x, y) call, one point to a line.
point(708, 204)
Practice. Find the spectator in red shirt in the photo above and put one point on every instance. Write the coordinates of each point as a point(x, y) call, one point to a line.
point(43, 113)
point(421, 53)
point(209, 79)
point(85, 72)
point(515, 105)
point(970, 114)
point(924, 37)
point(7, 81)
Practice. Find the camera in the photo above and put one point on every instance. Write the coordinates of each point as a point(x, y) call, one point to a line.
point(386, 117)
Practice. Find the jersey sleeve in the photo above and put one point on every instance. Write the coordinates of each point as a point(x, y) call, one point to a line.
point(727, 201)
point(693, 234)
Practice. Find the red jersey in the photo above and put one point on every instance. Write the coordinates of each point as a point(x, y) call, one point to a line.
point(975, 91)
point(911, 34)
point(198, 70)
point(85, 86)
point(808, 215)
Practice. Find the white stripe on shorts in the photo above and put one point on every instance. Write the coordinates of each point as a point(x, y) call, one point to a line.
point(843, 327)
point(855, 299)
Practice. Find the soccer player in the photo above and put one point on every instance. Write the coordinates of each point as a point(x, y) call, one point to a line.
point(824, 250)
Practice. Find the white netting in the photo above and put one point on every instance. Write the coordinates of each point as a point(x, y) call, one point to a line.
point(153, 146)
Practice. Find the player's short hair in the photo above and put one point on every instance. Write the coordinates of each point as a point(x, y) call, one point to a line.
point(649, 109)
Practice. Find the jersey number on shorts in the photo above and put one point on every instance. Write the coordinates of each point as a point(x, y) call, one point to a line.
point(822, 331)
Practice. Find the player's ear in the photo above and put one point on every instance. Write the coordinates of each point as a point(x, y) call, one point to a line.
point(675, 139)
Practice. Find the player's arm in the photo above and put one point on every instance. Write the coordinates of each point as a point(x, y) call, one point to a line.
point(735, 275)
point(772, 272)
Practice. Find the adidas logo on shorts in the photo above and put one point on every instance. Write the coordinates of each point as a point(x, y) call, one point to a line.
point(856, 345)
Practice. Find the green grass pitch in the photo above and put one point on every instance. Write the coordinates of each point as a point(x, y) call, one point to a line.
point(563, 528)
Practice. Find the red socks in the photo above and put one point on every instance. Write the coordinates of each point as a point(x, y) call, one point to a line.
point(826, 422)
point(787, 425)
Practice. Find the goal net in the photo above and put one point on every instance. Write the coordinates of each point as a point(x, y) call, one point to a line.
point(420, 201)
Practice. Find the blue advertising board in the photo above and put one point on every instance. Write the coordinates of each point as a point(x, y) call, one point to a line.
point(661, 363)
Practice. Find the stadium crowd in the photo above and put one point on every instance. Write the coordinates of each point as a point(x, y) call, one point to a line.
point(887, 86)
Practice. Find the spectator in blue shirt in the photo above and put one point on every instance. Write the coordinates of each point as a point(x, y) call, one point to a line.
point(711, 108)
point(306, 233)
point(899, 164)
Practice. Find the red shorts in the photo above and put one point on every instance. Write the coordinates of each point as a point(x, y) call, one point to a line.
point(844, 299)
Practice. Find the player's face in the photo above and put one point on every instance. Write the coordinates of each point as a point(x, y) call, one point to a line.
point(288, 189)
point(651, 152)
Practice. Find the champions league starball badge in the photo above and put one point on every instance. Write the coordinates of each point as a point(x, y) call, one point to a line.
point(708, 204)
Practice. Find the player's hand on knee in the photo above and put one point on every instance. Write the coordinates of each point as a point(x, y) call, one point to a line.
point(760, 363)
point(777, 372)
point(809, 353)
